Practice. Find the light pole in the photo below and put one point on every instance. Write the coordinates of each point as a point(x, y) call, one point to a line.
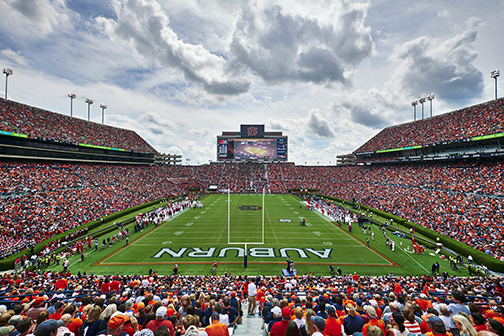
point(414, 103)
point(72, 97)
point(103, 107)
point(89, 102)
point(8, 72)
point(494, 74)
point(422, 101)
point(430, 98)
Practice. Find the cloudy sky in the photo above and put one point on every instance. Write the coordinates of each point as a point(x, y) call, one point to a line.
point(329, 74)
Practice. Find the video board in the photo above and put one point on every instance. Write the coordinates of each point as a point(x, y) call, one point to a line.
point(239, 146)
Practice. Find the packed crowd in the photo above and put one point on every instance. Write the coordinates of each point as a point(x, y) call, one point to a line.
point(42, 124)
point(41, 200)
point(487, 118)
point(90, 305)
point(461, 200)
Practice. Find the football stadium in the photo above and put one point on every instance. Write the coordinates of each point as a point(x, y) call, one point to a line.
point(256, 169)
point(102, 214)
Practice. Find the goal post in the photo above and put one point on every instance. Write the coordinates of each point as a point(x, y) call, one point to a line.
point(245, 243)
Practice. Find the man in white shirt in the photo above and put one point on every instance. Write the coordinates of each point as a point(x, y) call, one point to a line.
point(288, 286)
point(252, 292)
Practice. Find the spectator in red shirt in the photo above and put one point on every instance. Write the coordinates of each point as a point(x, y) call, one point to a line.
point(115, 285)
point(61, 283)
point(280, 327)
point(160, 320)
point(105, 286)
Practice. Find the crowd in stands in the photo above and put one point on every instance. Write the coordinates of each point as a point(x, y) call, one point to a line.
point(486, 118)
point(461, 200)
point(90, 305)
point(40, 200)
point(42, 124)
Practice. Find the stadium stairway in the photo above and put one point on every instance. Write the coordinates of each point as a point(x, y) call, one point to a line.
point(250, 326)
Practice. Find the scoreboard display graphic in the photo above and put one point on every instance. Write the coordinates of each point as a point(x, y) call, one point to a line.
point(251, 143)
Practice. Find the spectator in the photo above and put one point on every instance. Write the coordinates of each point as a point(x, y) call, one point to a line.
point(217, 328)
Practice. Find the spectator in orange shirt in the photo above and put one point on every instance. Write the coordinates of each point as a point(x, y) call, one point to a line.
point(373, 320)
point(58, 311)
point(217, 328)
point(333, 325)
point(76, 323)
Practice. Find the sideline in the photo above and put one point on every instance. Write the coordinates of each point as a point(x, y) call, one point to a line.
point(99, 262)
point(327, 218)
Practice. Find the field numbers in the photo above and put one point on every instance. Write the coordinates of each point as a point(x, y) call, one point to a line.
point(178, 233)
point(317, 233)
point(167, 242)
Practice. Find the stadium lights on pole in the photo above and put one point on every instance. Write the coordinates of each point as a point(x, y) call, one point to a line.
point(8, 72)
point(422, 101)
point(430, 98)
point(494, 74)
point(414, 103)
point(72, 97)
point(103, 107)
point(89, 102)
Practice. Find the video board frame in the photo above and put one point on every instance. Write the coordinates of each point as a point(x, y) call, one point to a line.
point(252, 144)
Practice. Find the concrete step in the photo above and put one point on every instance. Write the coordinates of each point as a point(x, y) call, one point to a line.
point(250, 326)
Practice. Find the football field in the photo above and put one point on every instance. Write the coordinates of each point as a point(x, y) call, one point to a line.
point(264, 230)
point(208, 234)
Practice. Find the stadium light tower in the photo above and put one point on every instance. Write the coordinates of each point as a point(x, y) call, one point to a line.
point(414, 103)
point(422, 101)
point(8, 72)
point(72, 97)
point(494, 74)
point(89, 101)
point(103, 107)
point(430, 98)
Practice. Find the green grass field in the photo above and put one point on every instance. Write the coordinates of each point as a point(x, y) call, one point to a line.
point(195, 238)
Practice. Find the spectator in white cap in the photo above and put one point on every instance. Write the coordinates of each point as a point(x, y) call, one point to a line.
point(161, 320)
point(277, 317)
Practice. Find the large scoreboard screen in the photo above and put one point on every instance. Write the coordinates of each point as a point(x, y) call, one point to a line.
point(271, 146)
